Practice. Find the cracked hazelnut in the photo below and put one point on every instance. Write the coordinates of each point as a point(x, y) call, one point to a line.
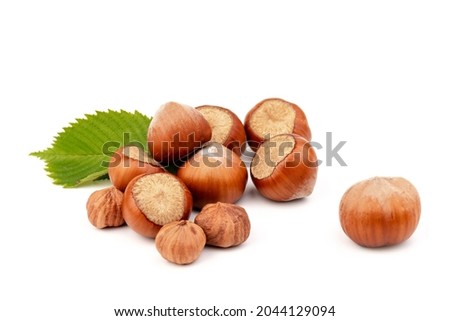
point(153, 200)
point(225, 225)
point(127, 163)
point(104, 208)
point(272, 117)
point(175, 131)
point(226, 127)
point(284, 168)
point(380, 211)
point(180, 242)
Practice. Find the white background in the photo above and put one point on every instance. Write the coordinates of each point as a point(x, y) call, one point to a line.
point(376, 75)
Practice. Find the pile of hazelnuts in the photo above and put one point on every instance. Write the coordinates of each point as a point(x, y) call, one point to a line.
point(203, 149)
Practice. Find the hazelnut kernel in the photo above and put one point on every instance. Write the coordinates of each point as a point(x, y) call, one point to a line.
point(104, 208)
point(225, 225)
point(180, 242)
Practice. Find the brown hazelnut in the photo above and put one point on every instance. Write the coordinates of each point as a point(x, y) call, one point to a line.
point(153, 200)
point(226, 127)
point(175, 131)
point(104, 208)
point(127, 163)
point(214, 174)
point(225, 225)
point(284, 168)
point(380, 211)
point(180, 242)
point(272, 117)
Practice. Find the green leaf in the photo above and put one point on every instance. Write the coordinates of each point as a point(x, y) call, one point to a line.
point(80, 153)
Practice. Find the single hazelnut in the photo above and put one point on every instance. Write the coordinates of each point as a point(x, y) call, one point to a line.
point(153, 200)
point(272, 117)
point(180, 242)
point(380, 211)
point(226, 127)
point(284, 168)
point(104, 208)
point(175, 131)
point(127, 163)
point(214, 174)
point(225, 225)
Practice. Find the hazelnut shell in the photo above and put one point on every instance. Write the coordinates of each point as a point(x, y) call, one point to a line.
point(176, 130)
point(293, 177)
point(214, 174)
point(297, 125)
point(127, 163)
point(136, 218)
point(380, 211)
point(220, 117)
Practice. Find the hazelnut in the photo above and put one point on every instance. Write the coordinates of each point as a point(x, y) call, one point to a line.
point(272, 117)
point(180, 242)
point(226, 127)
point(104, 208)
point(153, 200)
point(127, 163)
point(225, 225)
point(175, 131)
point(214, 174)
point(284, 168)
point(380, 211)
